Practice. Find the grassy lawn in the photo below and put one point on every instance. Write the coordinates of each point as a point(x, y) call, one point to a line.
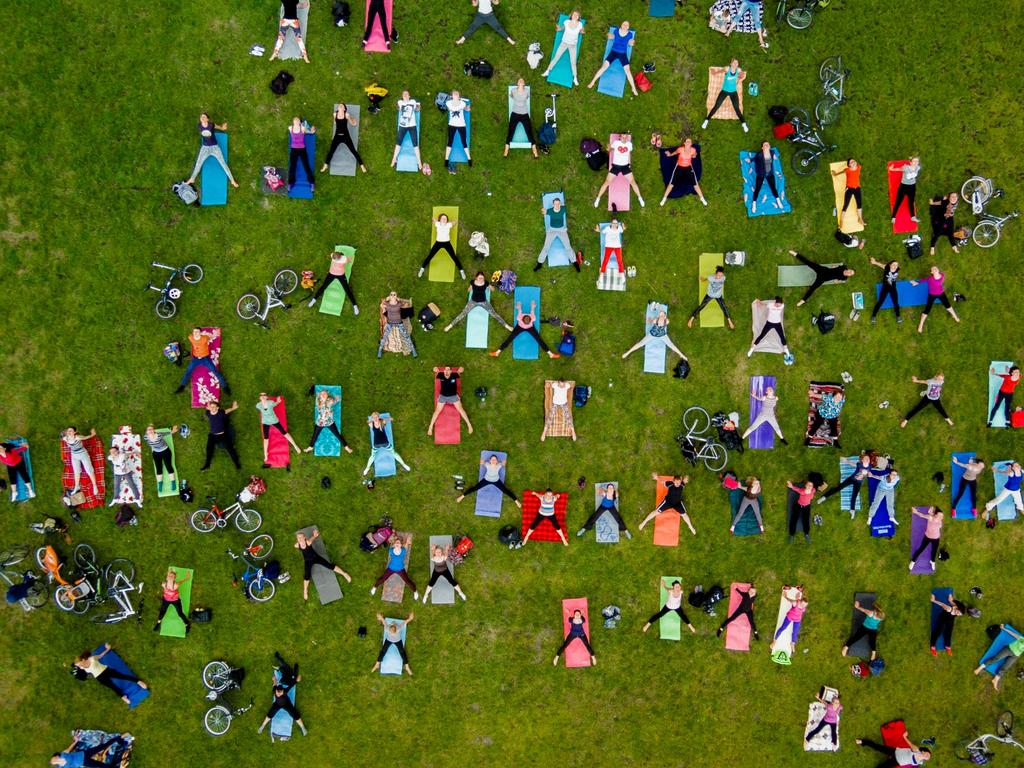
point(100, 121)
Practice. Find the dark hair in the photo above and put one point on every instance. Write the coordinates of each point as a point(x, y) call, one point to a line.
point(548, 490)
point(778, 300)
point(84, 655)
point(479, 274)
point(279, 689)
point(1014, 368)
point(677, 581)
point(677, 477)
point(719, 268)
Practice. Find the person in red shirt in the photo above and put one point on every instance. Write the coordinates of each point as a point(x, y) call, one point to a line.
point(852, 171)
point(13, 458)
point(1004, 396)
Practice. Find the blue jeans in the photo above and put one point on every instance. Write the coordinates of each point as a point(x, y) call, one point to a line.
point(202, 362)
point(755, 13)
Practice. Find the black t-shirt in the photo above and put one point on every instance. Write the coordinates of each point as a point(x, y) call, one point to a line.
point(479, 292)
point(380, 437)
point(450, 385)
point(218, 422)
point(291, 8)
point(674, 497)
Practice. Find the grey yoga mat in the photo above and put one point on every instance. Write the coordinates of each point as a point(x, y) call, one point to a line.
point(326, 582)
point(344, 162)
point(443, 593)
point(290, 47)
point(861, 647)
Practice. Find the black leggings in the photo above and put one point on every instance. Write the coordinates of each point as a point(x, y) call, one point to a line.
point(932, 298)
point(460, 131)
point(398, 644)
point(90, 753)
point(162, 459)
point(854, 492)
point(852, 193)
point(343, 137)
point(925, 543)
point(734, 98)
point(530, 331)
point(332, 428)
point(964, 485)
point(222, 439)
point(540, 518)
point(942, 228)
point(665, 610)
point(768, 327)
point(19, 470)
point(923, 403)
point(108, 676)
point(862, 631)
point(820, 727)
point(267, 427)
point(770, 178)
point(905, 192)
point(613, 510)
point(888, 290)
point(1002, 398)
point(375, 11)
point(740, 611)
point(707, 300)
point(283, 704)
point(944, 627)
point(889, 751)
point(446, 246)
point(499, 484)
point(818, 420)
point(821, 275)
point(569, 638)
point(344, 285)
point(445, 574)
point(298, 154)
point(176, 604)
point(801, 513)
point(516, 119)
point(315, 559)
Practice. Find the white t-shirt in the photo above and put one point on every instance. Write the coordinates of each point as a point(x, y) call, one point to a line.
point(775, 312)
point(559, 394)
point(571, 32)
point(622, 151)
point(906, 756)
point(456, 116)
point(484, 6)
point(612, 237)
point(443, 230)
point(407, 113)
point(673, 601)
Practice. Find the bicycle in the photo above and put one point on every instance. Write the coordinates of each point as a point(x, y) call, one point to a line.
point(801, 15)
point(220, 678)
point(696, 422)
point(805, 160)
point(165, 307)
point(35, 592)
point(249, 307)
point(978, 191)
point(246, 520)
point(833, 84)
point(258, 586)
point(93, 586)
point(977, 751)
point(120, 591)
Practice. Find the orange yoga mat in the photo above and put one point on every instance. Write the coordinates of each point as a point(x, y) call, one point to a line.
point(666, 525)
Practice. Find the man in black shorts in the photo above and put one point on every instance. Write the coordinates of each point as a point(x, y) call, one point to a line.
point(673, 500)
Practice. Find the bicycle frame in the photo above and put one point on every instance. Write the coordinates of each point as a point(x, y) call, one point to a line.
point(120, 591)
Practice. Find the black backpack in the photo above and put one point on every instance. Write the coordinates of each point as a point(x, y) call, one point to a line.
point(509, 535)
point(682, 370)
point(202, 615)
point(778, 113)
point(279, 84)
point(913, 245)
point(825, 321)
point(186, 494)
point(479, 68)
point(341, 13)
point(843, 238)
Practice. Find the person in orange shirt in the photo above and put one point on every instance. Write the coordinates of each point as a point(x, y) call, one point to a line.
point(684, 172)
point(852, 171)
point(200, 341)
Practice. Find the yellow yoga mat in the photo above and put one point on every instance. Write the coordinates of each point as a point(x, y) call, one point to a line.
point(848, 223)
point(442, 268)
point(711, 316)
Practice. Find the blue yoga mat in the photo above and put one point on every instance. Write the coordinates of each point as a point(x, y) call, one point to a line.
point(22, 493)
point(561, 72)
point(1006, 510)
point(281, 723)
point(766, 203)
point(909, 295)
point(880, 525)
point(406, 161)
point(962, 511)
point(302, 189)
point(613, 81)
point(384, 464)
point(845, 495)
point(668, 166)
point(945, 594)
point(478, 326)
point(392, 662)
point(656, 349)
point(995, 381)
point(1002, 640)
point(136, 694)
point(489, 498)
point(458, 153)
point(662, 8)
point(326, 443)
point(557, 255)
point(525, 347)
point(213, 189)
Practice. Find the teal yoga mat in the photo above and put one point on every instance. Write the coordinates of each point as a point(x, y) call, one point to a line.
point(561, 72)
point(213, 188)
point(478, 323)
point(384, 464)
point(281, 724)
point(558, 256)
point(613, 81)
point(525, 347)
point(1006, 509)
point(392, 662)
point(23, 492)
point(519, 139)
point(326, 443)
point(662, 8)
point(458, 153)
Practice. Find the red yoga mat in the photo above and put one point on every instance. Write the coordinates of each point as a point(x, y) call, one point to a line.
point(448, 427)
point(894, 734)
point(278, 450)
point(903, 223)
point(576, 654)
point(67, 478)
point(666, 525)
point(377, 41)
point(737, 634)
point(545, 531)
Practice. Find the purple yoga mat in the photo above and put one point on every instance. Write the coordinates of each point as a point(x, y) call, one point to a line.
point(764, 436)
point(917, 527)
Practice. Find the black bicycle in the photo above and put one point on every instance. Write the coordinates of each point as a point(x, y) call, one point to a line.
point(165, 307)
point(801, 15)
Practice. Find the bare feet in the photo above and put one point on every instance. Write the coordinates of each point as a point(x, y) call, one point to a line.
point(348, 449)
point(732, 325)
point(234, 184)
point(459, 499)
point(689, 324)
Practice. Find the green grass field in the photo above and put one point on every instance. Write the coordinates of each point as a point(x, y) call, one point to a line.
point(100, 115)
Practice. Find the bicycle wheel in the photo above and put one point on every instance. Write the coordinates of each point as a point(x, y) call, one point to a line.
point(799, 18)
point(217, 720)
point(248, 307)
point(830, 68)
point(827, 111)
point(41, 557)
point(805, 161)
point(976, 186)
point(286, 281)
point(696, 420)
point(85, 556)
point(248, 520)
point(985, 234)
point(797, 114)
point(37, 595)
point(216, 675)
point(165, 309)
point(261, 589)
point(203, 521)
point(965, 750)
point(260, 547)
point(13, 555)
point(1004, 724)
point(780, 13)
point(191, 273)
point(120, 565)
point(716, 457)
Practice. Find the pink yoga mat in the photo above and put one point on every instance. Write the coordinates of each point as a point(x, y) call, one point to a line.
point(618, 190)
point(205, 388)
point(737, 634)
point(278, 450)
point(377, 42)
point(448, 427)
point(923, 566)
point(576, 654)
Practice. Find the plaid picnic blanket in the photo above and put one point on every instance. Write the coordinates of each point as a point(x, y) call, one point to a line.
point(558, 420)
point(531, 506)
point(822, 436)
point(117, 754)
point(725, 112)
point(722, 10)
point(67, 478)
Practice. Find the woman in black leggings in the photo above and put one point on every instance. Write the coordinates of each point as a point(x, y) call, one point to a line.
point(520, 115)
point(873, 618)
point(745, 608)
point(609, 503)
point(311, 557)
point(525, 323)
point(822, 274)
point(968, 481)
point(942, 211)
point(393, 637)
point(342, 120)
point(853, 192)
point(861, 471)
point(440, 569)
point(442, 242)
point(890, 275)
point(283, 704)
point(896, 757)
point(375, 10)
point(764, 171)
point(93, 665)
point(492, 476)
point(577, 631)
point(944, 625)
point(673, 604)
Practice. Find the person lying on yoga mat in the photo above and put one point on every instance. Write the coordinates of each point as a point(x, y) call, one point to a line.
point(485, 15)
point(13, 457)
point(897, 757)
point(850, 241)
point(336, 273)
point(764, 172)
point(716, 293)
point(342, 120)
point(862, 470)
point(745, 608)
point(755, 8)
point(457, 108)
point(609, 503)
point(547, 500)
point(380, 442)
point(942, 211)
point(269, 421)
point(828, 406)
point(1004, 396)
point(122, 463)
point(571, 30)
point(478, 288)
point(520, 115)
point(492, 476)
point(969, 480)
point(290, 21)
point(622, 39)
point(773, 322)
point(683, 173)
point(769, 401)
point(162, 457)
point(822, 274)
point(391, 310)
point(310, 558)
point(80, 459)
point(732, 81)
point(407, 111)
point(673, 500)
point(297, 151)
point(525, 323)
point(801, 510)
point(890, 275)
point(94, 666)
point(393, 637)
point(377, 11)
point(873, 618)
point(673, 604)
point(558, 229)
point(830, 720)
point(750, 500)
point(907, 189)
point(199, 341)
point(208, 147)
point(560, 391)
point(1010, 491)
point(932, 534)
point(886, 491)
point(324, 405)
point(936, 281)
point(658, 330)
point(852, 173)
point(612, 232)
point(398, 556)
point(577, 631)
point(442, 241)
point(449, 395)
point(944, 625)
point(72, 757)
point(794, 615)
point(439, 570)
point(621, 156)
point(931, 396)
point(170, 597)
point(282, 703)
point(1006, 658)
point(220, 433)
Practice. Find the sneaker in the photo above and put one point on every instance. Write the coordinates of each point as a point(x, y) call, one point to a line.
point(373, 591)
point(745, 128)
point(853, 513)
point(899, 319)
point(628, 534)
point(911, 566)
point(933, 651)
point(932, 562)
point(641, 200)
point(807, 538)
point(703, 200)
point(873, 321)
point(597, 202)
point(415, 595)
point(537, 267)
point(949, 651)
point(784, 441)
point(719, 632)
point(156, 627)
point(750, 352)
point(894, 521)
point(756, 635)
point(462, 274)
point(355, 309)
point(420, 273)
point(581, 531)
point(704, 124)
point(914, 219)
point(662, 201)
point(311, 302)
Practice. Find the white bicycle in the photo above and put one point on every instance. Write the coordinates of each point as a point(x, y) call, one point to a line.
point(249, 306)
point(978, 191)
point(977, 752)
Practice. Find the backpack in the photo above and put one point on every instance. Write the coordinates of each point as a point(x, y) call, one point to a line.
point(778, 113)
point(274, 181)
point(202, 615)
point(479, 68)
point(186, 193)
point(729, 481)
point(441, 101)
point(341, 13)
point(876, 666)
point(280, 83)
point(567, 346)
point(682, 370)
point(546, 134)
point(272, 570)
point(913, 246)
point(507, 281)
point(844, 238)
point(125, 515)
point(509, 535)
point(186, 494)
point(580, 395)
point(643, 83)
point(825, 321)
point(375, 537)
point(589, 146)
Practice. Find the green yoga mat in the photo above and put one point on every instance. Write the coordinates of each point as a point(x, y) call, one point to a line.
point(669, 625)
point(799, 276)
point(333, 300)
point(711, 316)
point(172, 625)
point(442, 268)
point(167, 489)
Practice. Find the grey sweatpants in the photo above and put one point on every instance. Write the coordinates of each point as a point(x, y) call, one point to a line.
point(563, 235)
point(490, 20)
point(215, 153)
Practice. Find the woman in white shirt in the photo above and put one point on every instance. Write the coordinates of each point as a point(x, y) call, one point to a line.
point(773, 322)
point(407, 110)
point(621, 156)
point(612, 243)
point(442, 241)
point(485, 15)
point(559, 405)
point(571, 31)
point(457, 108)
